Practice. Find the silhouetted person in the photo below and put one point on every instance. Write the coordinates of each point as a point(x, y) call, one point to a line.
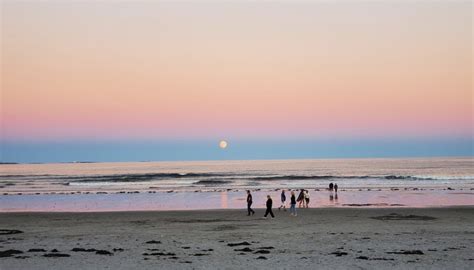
point(249, 204)
point(331, 186)
point(269, 207)
point(300, 199)
point(335, 188)
point(283, 200)
point(293, 204)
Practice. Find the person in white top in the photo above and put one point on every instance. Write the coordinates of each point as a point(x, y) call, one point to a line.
point(306, 198)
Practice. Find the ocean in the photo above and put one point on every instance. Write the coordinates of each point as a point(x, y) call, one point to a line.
point(205, 175)
point(58, 182)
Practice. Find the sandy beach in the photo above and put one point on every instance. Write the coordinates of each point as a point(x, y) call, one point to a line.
point(323, 238)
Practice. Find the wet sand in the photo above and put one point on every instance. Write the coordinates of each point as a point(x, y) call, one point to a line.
point(323, 238)
point(230, 199)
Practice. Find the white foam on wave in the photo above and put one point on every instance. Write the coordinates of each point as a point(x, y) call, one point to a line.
point(439, 177)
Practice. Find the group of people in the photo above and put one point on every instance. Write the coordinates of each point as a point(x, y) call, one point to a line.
point(303, 200)
point(269, 204)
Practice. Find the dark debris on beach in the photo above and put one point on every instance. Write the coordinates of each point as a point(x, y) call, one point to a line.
point(200, 254)
point(339, 253)
point(245, 243)
point(262, 251)
point(395, 216)
point(104, 252)
point(83, 250)
point(56, 255)
point(245, 249)
point(6, 232)
point(153, 242)
point(407, 252)
point(10, 253)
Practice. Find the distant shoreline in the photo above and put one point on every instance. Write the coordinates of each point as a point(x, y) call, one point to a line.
point(236, 160)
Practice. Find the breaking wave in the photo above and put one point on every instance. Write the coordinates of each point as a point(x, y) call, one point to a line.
point(215, 178)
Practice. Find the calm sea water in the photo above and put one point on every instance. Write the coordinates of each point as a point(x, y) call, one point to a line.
point(216, 175)
point(138, 186)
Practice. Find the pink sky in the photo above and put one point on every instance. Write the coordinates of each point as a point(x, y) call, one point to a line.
point(255, 69)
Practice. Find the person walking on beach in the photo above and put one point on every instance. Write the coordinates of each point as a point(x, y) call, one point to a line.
point(293, 204)
point(269, 207)
point(331, 186)
point(335, 188)
point(283, 200)
point(306, 198)
point(300, 199)
point(249, 204)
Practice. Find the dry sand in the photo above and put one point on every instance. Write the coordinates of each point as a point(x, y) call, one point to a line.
point(324, 238)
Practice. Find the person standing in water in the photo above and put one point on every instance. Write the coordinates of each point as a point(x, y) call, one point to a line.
point(269, 207)
point(331, 186)
point(283, 200)
point(293, 204)
point(335, 187)
point(249, 204)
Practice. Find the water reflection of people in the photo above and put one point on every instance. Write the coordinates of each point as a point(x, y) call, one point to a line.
point(333, 193)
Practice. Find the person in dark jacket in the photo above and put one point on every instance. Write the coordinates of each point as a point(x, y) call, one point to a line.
point(335, 188)
point(269, 207)
point(331, 186)
point(283, 200)
point(300, 199)
point(249, 204)
point(293, 204)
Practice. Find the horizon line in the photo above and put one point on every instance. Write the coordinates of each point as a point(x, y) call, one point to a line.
point(224, 160)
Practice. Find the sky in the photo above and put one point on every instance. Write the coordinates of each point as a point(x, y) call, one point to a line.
point(155, 80)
